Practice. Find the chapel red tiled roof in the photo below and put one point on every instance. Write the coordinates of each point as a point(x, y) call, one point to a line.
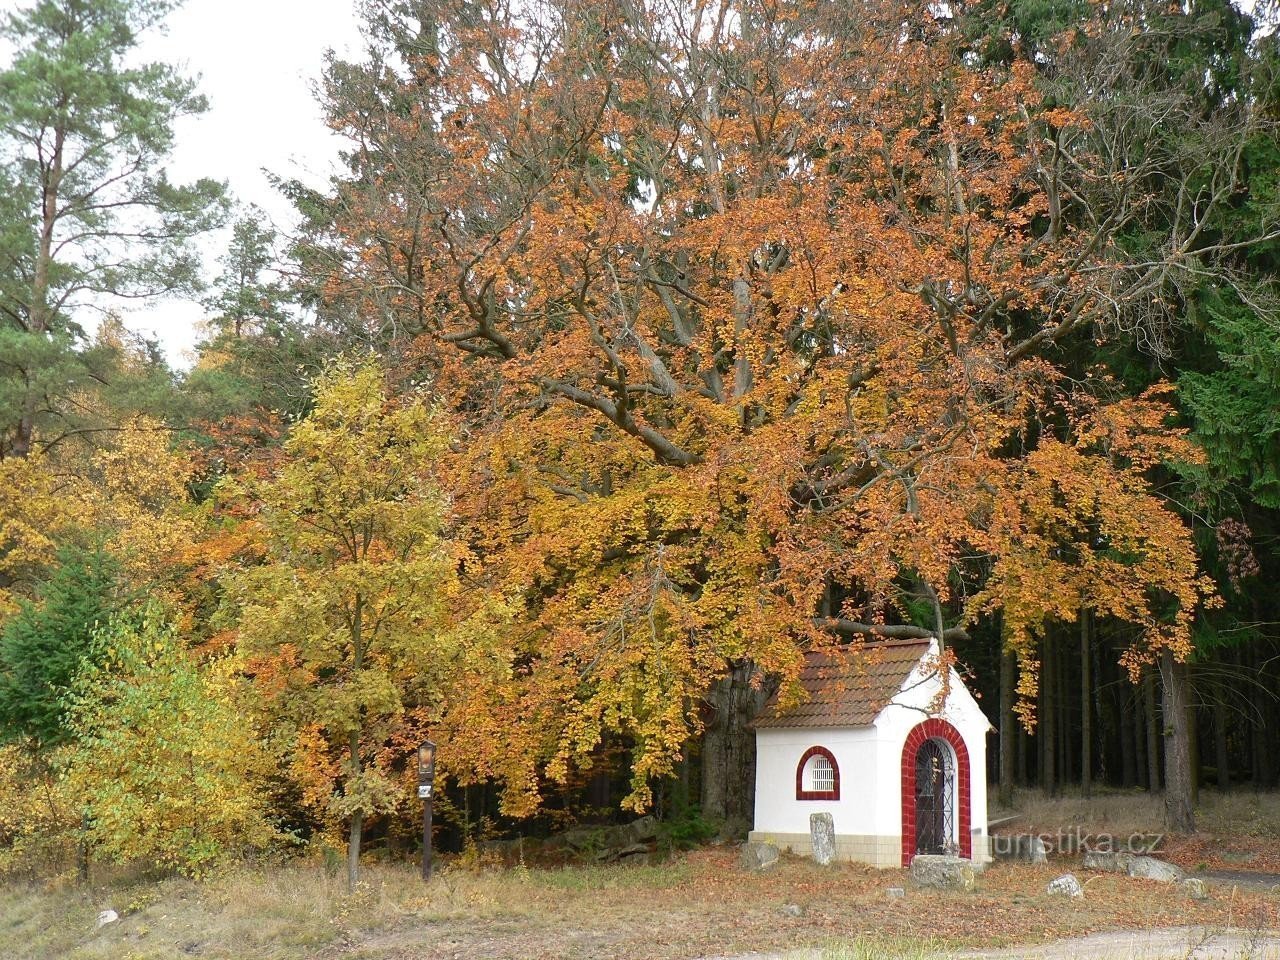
point(847, 690)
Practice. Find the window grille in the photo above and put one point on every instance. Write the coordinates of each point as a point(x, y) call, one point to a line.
point(822, 776)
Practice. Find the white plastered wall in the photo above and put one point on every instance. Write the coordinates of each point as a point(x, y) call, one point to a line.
point(870, 762)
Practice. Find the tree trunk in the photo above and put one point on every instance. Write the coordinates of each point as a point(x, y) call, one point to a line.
point(1142, 775)
point(729, 748)
point(1179, 809)
point(1128, 749)
point(357, 816)
point(38, 313)
point(353, 850)
point(1193, 748)
point(1221, 757)
point(1021, 757)
point(1008, 721)
point(1066, 745)
point(1086, 709)
point(1153, 732)
point(1049, 722)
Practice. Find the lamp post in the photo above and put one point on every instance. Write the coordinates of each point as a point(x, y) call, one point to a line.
point(426, 788)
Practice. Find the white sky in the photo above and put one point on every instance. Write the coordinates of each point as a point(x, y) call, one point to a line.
point(256, 61)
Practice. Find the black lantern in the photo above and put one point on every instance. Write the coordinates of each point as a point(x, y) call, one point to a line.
point(426, 762)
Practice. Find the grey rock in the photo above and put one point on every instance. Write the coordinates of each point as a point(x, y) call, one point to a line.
point(105, 917)
point(1113, 861)
point(822, 832)
point(1065, 886)
point(1194, 888)
point(943, 873)
point(793, 910)
point(644, 829)
point(583, 838)
point(757, 855)
point(896, 893)
point(1021, 847)
point(1149, 868)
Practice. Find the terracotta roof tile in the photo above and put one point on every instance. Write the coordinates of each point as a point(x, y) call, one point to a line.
point(847, 690)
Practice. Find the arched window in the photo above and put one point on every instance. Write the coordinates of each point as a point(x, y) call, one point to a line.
point(818, 775)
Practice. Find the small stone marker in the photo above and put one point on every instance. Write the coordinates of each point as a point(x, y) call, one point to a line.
point(759, 856)
point(896, 893)
point(1065, 886)
point(822, 831)
point(793, 910)
point(105, 917)
point(1149, 868)
point(1195, 888)
point(942, 873)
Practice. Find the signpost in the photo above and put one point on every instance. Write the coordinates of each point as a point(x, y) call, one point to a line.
point(426, 790)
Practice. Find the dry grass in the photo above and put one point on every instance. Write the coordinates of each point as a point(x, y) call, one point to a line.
point(1237, 830)
point(1126, 811)
point(701, 905)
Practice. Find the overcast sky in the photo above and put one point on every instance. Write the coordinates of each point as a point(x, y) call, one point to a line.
point(256, 60)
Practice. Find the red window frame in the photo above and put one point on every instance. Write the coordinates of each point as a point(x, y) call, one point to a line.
point(834, 792)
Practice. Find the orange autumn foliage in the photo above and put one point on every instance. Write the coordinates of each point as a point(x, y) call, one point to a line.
point(751, 315)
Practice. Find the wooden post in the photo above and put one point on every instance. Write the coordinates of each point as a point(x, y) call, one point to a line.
point(426, 832)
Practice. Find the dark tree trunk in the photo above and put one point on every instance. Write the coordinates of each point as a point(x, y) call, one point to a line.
point(1221, 758)
point(1066, 744)
point(1008, 722)
point(1049, 721)
point(729, 747)
point(1153, 732)
point(1021, 758)
point(1178, 803)
point(1086, 708)
point(1140, 739)
point(1193, 746)
point(1127, 726)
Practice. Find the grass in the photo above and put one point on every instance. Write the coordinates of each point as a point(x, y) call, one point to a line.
point(699, 905)
point(1237, 830)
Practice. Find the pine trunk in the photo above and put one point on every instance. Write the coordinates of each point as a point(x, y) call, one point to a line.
point(1049, 723)
point(1153, 732)
point(1008, 722)
point(1221, 759)
point(1086, 718)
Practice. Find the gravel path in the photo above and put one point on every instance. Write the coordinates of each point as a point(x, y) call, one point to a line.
point(1177, 943)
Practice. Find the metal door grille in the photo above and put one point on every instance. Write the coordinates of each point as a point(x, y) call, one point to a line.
point(935, 798)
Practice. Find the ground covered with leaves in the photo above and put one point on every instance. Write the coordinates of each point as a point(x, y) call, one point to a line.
point(702, 904)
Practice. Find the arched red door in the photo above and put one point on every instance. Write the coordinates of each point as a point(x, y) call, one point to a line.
point(926, 781)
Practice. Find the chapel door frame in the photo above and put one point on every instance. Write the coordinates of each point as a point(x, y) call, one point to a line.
point(935, 728)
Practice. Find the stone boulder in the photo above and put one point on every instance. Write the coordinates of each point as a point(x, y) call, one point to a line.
point(1113, 861)
point(822, 833)
point(1065, 886)
point(1149, 868)
point(758, 856)
point(644, 829)
point(1021, 847)
point(943, 873)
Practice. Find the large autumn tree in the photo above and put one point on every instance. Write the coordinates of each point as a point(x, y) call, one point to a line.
point(756, 315)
